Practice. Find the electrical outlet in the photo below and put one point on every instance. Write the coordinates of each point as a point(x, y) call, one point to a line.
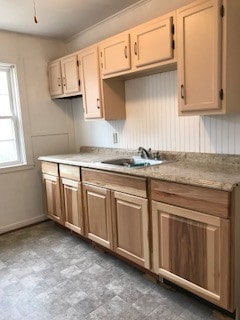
point(115, 137)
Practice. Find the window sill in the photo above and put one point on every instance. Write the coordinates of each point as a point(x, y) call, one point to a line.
point(18, 167)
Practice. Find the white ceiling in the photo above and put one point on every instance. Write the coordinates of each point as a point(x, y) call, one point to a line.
point(57, 18)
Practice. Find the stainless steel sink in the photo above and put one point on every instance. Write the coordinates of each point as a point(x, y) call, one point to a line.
point(133, 162)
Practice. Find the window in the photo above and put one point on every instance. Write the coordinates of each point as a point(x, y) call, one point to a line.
point(12, 150)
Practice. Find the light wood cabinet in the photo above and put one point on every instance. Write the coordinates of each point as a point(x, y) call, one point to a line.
point(90, 77)
point(63, 77)
point(130, 228)
point(192, 249)
point(55, 78)
point(117, 214)
point(101, 99)
point(70, 77)
point(148, 46)
point(153, 42)
point(192, 244)
point(115, 54)
point(51, 186)
point(72, 198)
point(97, 210)
point(208, 68)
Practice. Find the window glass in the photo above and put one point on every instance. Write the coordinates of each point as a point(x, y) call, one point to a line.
point(12, 149)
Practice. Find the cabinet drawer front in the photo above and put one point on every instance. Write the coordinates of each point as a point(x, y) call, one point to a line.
point(50, 168)
point(69, 172)
point(214, 202)
point(127, 184)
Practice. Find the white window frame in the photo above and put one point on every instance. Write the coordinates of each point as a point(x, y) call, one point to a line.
point(16, 115)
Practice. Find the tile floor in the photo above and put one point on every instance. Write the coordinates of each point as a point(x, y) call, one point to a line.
point(47, 273)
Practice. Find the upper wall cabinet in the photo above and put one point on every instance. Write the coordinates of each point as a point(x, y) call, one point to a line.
point(148, 46)
point(63, 77)
point(152, 43)
point(90, 78)
point(101, 98)
point(208, 54)
point(115, 54)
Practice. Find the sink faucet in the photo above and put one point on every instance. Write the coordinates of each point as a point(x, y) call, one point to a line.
point(144, 153)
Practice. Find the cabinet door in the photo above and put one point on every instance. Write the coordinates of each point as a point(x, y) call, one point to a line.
point(192, 250)
point(53, 199)
point(97, 211)
point(55, 78)
point(152, 43)
point(115, 55)
point(72, 199)
point(70, 76)
point(90, 77)
point(199, 56)
point(130, 228)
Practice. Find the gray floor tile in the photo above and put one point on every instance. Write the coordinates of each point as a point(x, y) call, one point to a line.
point(48, 274)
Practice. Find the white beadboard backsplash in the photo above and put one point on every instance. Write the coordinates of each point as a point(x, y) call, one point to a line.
point(152, 121)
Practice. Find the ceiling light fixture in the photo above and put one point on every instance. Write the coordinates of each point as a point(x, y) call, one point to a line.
point(35, 12)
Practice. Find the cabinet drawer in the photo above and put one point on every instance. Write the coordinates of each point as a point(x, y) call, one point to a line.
point(214, 202)
point(119, 182)
point(69, 172)
point(50, 168)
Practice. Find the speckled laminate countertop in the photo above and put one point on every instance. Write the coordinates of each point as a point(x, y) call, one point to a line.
point(205, 170)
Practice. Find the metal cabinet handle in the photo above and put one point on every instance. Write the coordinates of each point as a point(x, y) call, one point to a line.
point(135, 48)
point(125, 52)
point(98, 104)
point(182, 91)
point(59, 82)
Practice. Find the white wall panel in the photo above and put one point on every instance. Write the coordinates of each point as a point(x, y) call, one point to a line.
point(153, 121)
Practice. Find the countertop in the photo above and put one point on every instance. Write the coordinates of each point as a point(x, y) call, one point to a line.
point(220, 172)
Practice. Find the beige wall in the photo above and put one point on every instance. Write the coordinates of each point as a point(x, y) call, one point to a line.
point(48, 126)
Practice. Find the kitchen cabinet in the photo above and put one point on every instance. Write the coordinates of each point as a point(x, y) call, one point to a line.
point(64, 77)
point(153, 42)
point(115, 54)
point(147, 46)
point(101, 99)
point(51, 185)
point(55, 78)
point(208, 68)
point(71, 197)
point(97, 210)
point(117, 214)
point(130, 228)
point(192, 247)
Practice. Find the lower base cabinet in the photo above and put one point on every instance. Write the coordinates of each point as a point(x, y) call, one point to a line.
point(97, 210)
point(51, 185)
point(72, 200)
point(130, 228)
point(192, 249)
point(190, 228)
point(71, 193)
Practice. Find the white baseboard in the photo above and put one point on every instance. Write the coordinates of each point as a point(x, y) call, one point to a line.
point(22, 224)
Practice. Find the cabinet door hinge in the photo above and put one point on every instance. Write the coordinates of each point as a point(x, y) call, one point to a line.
point(173, 28)
point(173, 44)
point(101, 54)
point(221, 94)
point(222, 11)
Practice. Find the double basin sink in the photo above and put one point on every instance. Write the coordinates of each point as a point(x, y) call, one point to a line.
point(134, 162)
